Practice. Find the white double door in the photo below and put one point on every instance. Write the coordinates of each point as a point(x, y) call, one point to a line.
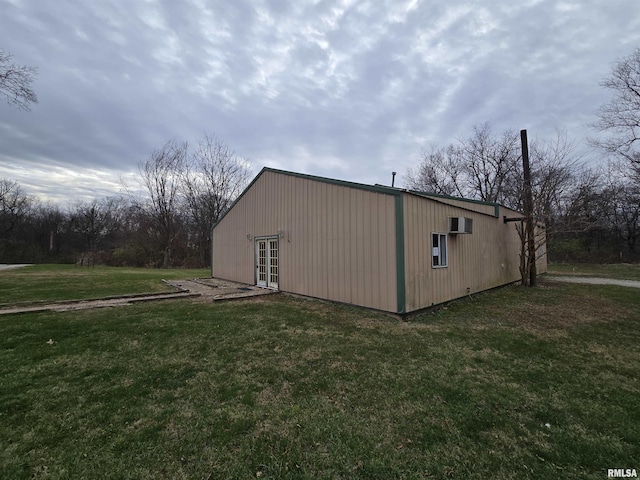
point(267, 262)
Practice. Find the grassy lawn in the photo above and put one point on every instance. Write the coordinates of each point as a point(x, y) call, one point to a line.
point(623, 271)
point(66, 282)
point(514, 383)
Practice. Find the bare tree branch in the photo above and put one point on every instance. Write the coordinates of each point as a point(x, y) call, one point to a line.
point(14, 204)
point(15, 82)
point(161, 175)
point(437, 173)
point(620, 118)
point(213, 179)
point(480, 166)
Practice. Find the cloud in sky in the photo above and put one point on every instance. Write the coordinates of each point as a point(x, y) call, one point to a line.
point(340, 88)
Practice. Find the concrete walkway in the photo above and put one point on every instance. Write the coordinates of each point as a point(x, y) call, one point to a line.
point(69, 305)
point(208, 289)
point(595, 281)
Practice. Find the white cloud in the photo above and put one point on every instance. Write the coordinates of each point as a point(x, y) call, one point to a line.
point(54, 183)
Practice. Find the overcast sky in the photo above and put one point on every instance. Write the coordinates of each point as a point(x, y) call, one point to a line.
point(339, 88)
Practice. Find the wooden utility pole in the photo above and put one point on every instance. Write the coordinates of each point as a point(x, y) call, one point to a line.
point(528, 210)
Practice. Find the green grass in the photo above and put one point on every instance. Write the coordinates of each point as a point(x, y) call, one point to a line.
point(622, 271)
point(287, 388)
point(66, 282)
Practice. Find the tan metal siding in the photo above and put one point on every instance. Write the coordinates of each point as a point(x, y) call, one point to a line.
point(487, 258)
point(338, 242)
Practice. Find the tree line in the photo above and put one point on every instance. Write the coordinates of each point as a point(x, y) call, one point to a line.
point(163, 219)
point(589, 213)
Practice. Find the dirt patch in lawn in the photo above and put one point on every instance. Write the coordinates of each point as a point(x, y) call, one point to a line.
point(558, 319)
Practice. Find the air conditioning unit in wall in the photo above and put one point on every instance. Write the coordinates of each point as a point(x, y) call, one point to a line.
point(460, 225)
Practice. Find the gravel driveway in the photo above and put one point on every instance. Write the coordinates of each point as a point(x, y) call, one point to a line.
point(9, 266)
point(596, 281)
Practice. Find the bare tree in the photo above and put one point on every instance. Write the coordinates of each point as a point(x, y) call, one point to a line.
point(184, 194)
point(555, 164)
point(94, 221)
point(15, 82)
point(213, 179)
point(14, 205)
point(437, 173)
point(50, 223)
point(554, 168)
point(620, 118)
point(620, 207)
point(488, 161)
point(481, 166)
point(161, 175)
point(578, 212)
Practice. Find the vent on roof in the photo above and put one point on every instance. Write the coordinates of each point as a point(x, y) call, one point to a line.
point(460, 225)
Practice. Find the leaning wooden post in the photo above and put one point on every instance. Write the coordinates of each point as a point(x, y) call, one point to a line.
point(528, 209)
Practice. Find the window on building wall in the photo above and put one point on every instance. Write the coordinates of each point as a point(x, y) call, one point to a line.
point(439, 250)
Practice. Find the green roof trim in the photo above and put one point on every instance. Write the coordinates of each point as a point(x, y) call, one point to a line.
point(333, 181)
point(400, 266)
point(496, 206)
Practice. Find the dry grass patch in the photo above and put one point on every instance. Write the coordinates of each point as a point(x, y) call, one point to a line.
point(544, 312)
point(559, 319)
